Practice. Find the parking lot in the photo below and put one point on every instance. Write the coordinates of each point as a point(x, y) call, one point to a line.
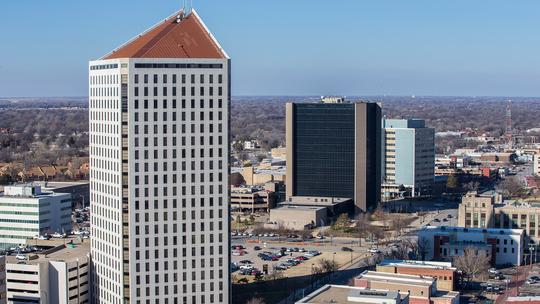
point(307, 258)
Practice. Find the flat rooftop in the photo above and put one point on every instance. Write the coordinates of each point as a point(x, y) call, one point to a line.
point(376, 276)
point(54, 185)
point(346, 294)
point(315, 201)
point(418, 264)
point(452, 229)
point(297, 208)
point(61, 253)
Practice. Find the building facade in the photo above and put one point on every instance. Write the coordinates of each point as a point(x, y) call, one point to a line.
point(252, 198)
point(334, 150)
point(489, 210)
point(159, 146)
point(419, 288)
point(57, 275)
point(443, 272)
point(501, 246)
point(409, 155)
point(26, 212)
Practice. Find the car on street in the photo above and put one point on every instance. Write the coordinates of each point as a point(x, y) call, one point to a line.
point(374, 250)
point(347, 249)
point(256, 248)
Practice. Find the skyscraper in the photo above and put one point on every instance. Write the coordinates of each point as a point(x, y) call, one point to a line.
point(159, 123)
point(409, 156)
point(334, 150)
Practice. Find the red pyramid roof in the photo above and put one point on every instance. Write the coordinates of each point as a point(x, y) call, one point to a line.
point(188, 38)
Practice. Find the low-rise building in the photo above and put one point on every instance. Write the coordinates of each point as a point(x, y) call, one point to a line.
point(523, 300)
point(501, 246)
point(57, 275)
point(489, 210)
point(252, 198)
point(256, 176)
point(297, 217)
point(420, 289)
point(348, 294)
point(79, 190)
point(26, 211)
point(334, 205)
point(443, 272)
point(280, 152)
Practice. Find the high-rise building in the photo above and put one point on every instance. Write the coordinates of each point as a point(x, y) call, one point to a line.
point(28, 212)
point(536, 164)
point(334, 150)
point(159, 123)
point(409, 156)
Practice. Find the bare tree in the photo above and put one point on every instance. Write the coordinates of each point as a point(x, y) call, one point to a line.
point(398, 224)
point(473, 264)
point(511, 187)
point(275, 274)
point(327, 265)
point(420, 248)
point(362, 226)
point(256, 301)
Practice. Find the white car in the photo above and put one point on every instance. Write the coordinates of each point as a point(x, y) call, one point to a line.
point(247, 266)
point(374, 250)
point(58, 235)
point(21, 257)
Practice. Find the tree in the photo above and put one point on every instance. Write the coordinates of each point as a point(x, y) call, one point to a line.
point(398, 224)
point(379, 214)
point(472, 264)
point(362, 226)
point(452, 184)
point(275, 274)
point(341, 223)
point(471, 186)
point(512, 188)
point(256, 301)
point(327, 265)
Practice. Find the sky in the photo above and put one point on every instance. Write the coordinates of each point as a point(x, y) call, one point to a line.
point(292, 47)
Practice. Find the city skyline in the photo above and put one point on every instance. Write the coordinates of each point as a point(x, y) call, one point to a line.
point(448, 49)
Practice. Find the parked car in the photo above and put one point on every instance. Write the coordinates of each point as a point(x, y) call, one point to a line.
point(374, 250)
point(246, 267)
point(21, 257)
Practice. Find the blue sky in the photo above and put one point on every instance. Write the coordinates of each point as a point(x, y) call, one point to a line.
point(292, 47)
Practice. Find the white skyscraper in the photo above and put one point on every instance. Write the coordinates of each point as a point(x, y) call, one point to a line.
point(159, 122)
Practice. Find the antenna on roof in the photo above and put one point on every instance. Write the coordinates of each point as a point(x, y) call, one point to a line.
point(182, 14)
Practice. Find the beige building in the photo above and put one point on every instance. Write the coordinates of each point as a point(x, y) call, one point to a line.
point(488, 210)
point(348, 294)
point(280, 152)
point(252, 176)
point(443, 272)
point(58, 275)
point(421, 289)
point(252, 198)
point(297, 217)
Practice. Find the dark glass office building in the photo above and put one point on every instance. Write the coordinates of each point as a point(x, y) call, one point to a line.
point(334, 150)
